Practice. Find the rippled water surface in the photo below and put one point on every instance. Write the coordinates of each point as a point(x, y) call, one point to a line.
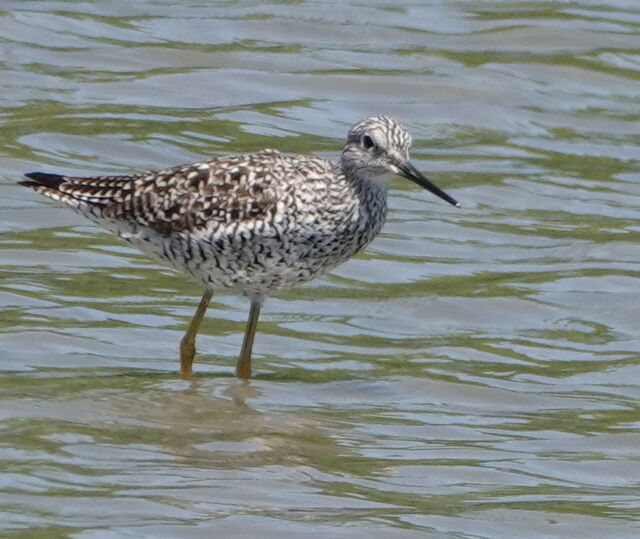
point(474, 373)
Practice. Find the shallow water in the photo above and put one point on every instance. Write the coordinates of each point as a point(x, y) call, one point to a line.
point(475, 373)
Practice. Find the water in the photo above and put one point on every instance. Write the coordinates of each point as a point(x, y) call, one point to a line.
point(475, 373)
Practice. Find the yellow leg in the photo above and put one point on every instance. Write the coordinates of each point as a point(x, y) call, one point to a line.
point(188, 342)
point(243, 366)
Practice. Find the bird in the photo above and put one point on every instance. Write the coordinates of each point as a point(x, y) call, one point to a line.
point(253, 224)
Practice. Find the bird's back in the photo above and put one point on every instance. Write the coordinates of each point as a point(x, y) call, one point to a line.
point(224, 191)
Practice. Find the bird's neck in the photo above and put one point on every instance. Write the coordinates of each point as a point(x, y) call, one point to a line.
point(371, 194)
point(366, 179)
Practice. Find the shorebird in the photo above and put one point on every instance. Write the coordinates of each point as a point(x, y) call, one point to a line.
point(250, 224)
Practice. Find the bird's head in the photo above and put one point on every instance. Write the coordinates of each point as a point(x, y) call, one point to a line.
point(377, 150)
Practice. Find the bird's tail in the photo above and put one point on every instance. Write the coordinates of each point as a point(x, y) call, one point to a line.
point(50, 185)
point(43, 179)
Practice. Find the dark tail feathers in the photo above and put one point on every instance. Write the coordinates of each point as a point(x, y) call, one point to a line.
point(52, 181)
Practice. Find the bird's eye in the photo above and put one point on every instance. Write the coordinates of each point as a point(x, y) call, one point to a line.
point(367, 142)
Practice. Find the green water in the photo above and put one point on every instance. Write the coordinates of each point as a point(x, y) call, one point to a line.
point(475, 373)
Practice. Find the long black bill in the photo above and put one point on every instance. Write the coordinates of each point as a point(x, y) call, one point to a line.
point(412, 173)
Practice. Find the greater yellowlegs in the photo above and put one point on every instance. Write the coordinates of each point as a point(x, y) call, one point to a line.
point(250, 224)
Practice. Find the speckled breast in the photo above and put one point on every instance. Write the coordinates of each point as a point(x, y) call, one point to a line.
point(259, 258)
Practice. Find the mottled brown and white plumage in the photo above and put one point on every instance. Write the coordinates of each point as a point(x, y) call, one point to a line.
point(252, 224)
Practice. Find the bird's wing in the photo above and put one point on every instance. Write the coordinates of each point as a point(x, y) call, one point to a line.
point(225, 190)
